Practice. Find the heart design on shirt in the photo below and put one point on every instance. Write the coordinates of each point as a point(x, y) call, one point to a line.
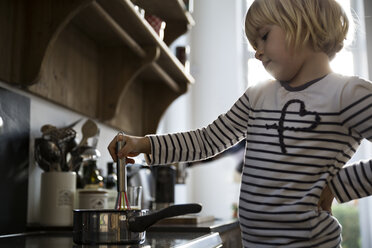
point(302, 112)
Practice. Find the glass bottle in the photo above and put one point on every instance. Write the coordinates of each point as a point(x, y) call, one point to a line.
point(111, 180)
point(92, 177)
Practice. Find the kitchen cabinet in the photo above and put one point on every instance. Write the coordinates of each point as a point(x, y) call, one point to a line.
point(99, 58)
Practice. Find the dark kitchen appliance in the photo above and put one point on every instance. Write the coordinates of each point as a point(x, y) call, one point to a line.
point(158, 183)
point(14, 160)
point(165, 181)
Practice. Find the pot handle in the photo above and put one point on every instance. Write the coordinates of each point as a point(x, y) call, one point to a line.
point(141, 223)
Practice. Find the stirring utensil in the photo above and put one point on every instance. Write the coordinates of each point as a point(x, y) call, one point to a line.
point(122, 202)
point(47, 154)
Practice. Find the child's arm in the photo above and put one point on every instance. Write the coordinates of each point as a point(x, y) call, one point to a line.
point(227, 130)
point(353, 182)
point(195, 145)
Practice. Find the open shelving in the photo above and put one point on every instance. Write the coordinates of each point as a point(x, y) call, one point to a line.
point(99, 58)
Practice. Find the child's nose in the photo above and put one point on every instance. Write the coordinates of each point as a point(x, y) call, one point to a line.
point(259, 53)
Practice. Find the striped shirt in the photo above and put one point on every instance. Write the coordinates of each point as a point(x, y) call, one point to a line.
point(297, 141)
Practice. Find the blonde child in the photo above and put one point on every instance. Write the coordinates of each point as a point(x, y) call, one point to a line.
point(300, 129)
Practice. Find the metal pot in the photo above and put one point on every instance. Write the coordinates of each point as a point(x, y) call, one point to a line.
point(107, 226)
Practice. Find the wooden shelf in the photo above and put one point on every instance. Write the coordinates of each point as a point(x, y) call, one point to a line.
point(178, 19)
point(100, 58)
point(142, 32)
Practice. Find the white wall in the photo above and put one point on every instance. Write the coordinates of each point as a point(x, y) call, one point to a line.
point(216, 64)
point(217, 68)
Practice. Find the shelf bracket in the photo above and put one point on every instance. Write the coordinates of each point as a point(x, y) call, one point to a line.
point(119, 76)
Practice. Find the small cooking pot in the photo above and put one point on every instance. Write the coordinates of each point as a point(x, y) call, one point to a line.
point(106, 226)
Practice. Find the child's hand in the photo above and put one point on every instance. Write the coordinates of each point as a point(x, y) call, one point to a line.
point(133, 147)
point(325, 200)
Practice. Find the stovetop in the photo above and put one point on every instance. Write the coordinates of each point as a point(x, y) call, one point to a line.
point(47, 239)
point(200, 235)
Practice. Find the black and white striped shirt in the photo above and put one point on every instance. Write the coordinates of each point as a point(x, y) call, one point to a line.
point(297, 141)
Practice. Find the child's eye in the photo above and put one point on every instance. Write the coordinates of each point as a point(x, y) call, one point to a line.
point(264, 37)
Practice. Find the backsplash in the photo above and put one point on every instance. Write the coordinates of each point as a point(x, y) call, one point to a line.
point(23, 115)
point(14, 160)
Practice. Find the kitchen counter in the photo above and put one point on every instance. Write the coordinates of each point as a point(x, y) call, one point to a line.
point(55, 239)
point(216, 225)
point(228, 230)
point(202, 235)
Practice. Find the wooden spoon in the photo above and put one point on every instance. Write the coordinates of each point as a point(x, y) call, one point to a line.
point(89, 129)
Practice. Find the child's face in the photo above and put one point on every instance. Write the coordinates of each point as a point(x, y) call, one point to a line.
point(284, 63)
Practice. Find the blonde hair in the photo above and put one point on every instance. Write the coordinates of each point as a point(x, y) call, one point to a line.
point(321, 23)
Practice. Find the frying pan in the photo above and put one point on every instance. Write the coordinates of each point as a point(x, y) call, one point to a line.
point(106, 226)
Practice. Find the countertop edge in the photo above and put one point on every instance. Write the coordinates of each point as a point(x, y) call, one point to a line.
point(207, 227)
point(208, 240)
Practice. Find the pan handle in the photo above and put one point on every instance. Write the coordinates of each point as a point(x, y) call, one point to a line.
point(141, 223)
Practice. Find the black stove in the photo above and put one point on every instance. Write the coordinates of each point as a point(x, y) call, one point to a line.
point(62, 239)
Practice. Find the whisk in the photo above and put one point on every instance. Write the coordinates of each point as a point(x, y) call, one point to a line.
point(122, 202)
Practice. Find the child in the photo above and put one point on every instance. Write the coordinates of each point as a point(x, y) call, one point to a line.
point(300, 129)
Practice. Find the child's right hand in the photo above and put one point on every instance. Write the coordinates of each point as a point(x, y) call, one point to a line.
point(133, 146)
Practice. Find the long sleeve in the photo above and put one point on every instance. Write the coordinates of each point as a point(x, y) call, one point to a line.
point(356, 108)
point(355, 181)
point(200, 144)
